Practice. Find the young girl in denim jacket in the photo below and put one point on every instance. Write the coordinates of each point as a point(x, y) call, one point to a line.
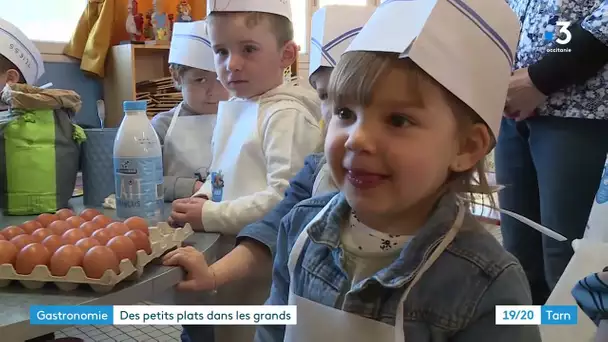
point(395, 255)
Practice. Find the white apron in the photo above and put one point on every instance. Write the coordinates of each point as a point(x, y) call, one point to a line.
point(237, 127)
point(313, 318)
point(187, 147)
point(323, 182)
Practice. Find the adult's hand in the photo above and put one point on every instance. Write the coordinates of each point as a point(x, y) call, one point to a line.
point(522, 97)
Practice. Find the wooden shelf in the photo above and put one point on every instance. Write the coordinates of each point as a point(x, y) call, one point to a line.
point(125, 66)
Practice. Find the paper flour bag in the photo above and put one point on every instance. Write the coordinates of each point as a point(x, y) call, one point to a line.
point(597, 225)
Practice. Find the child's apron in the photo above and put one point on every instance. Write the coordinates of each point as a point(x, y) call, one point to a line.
point(239, 161)
point(313, 317)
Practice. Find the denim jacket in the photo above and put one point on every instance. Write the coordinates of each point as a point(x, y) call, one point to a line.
point(454, 301)
point(265, 231)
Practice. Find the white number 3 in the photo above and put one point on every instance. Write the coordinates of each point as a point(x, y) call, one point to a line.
point(563, 30)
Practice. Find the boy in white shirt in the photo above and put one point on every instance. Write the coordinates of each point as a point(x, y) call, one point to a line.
point(265, 131)
point(185, 131)
point(261, 138)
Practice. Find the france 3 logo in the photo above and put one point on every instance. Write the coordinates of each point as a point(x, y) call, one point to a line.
point(563, 35)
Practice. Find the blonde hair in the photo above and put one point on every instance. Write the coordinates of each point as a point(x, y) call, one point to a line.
point(280, 26)
point(354, 79)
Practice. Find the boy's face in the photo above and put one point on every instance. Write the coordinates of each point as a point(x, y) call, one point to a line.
point(202, 91)
point(248, 60)
point(392, 157)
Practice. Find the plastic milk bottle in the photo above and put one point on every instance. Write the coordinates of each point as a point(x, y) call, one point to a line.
point(138, 166)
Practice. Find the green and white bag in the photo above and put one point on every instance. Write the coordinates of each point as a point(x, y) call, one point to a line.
point(39, 149)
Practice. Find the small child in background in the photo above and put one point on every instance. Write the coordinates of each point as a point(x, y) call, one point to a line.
point(262, 135)
point(396, 255)
point(186, 130)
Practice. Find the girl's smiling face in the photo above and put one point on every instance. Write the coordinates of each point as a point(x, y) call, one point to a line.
point(394, 140)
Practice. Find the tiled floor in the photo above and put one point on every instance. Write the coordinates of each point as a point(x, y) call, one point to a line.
point(123, 333)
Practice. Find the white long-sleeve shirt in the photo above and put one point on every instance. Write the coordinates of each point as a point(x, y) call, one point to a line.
point(258, 156)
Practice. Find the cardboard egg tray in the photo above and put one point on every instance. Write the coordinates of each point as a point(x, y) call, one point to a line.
point(162, 238)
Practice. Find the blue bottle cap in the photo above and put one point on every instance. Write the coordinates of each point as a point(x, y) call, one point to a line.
point(134, 105)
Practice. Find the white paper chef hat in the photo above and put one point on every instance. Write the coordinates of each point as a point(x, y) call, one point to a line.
point(17, 48)
point(332, 30)
point(466, 45)
point(190, 46)
point(279, 7)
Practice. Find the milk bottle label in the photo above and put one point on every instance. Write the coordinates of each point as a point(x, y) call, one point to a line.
point(139, 187)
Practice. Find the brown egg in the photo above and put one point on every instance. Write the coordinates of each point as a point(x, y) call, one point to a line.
point(102, 220)
point(118, 228)
point(89, 214)
point(87, 243)
point(59, 227)
point(31, 256)
point(23, 240)
point(138, 223)
point(75, 221)
point(98, 260)
point(12, 231)
point(65, 258)
point(41, 233)
point(64, 214)
point(46, 219)
point(102, 235)
point(30, 226)
point(72, 236)
point(141, 240)
point(89, 228)
point(52, 243)
point(123, 247)
point(8, 252)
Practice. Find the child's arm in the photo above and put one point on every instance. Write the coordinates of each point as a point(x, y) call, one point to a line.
point(258, 241)
point(161, 122)
point(265, 231)
point(509, 288)
point(244, 260)
point(279, 292)
point(288, 136)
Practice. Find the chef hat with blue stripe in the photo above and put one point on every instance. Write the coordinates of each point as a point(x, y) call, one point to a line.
point(333, 28)
point(17, 48)
point(278, 7)
point(466, 45)
point(190, 46)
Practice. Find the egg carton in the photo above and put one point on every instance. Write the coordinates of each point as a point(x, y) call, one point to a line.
point(162, 238)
